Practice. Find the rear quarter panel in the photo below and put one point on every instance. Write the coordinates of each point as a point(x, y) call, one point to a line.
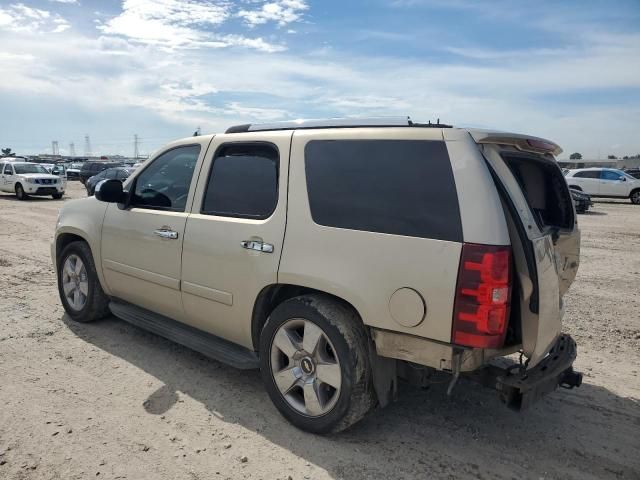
point(366, 268)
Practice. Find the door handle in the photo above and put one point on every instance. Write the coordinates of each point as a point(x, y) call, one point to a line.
point(166, 233)
point(257, 245)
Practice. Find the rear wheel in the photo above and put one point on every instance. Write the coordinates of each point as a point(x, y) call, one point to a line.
point(314, 363)
point(635, 197)
point(78, 284)
point(20, 193)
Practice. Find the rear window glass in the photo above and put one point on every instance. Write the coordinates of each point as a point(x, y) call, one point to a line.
point(400, 187)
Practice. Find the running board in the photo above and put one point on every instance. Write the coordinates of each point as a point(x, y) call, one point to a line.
point(205, 343)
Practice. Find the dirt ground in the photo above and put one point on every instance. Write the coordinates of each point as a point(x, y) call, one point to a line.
point(107, 400)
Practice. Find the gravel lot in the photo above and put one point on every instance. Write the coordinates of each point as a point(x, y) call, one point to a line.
point(107, 400)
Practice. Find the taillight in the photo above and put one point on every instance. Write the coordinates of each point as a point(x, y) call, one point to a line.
point(481, 310)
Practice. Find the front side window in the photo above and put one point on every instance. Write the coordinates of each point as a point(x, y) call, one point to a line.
point(611, 175)
point(7, 169)
point(588, 174)
point(165, 183)
point(243, 181)
point(400, 187)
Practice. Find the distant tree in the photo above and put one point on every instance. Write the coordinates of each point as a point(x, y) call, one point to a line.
point(575, 156)
point(6, 152)
point(612, 157)
point(626, 157)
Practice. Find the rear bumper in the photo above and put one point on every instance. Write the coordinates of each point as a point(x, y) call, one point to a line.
point(519, 388)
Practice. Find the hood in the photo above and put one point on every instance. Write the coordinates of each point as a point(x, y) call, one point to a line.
point(39, 175)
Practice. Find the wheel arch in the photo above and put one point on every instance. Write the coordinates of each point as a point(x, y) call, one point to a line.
point(576, 187)
point(273, 295)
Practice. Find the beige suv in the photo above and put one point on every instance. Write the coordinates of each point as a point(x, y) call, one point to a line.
point(339, 257)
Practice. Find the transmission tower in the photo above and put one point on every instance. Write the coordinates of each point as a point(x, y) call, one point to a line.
point(72, 150)
point(87, 146)
point(136, 146)
point(54, 147)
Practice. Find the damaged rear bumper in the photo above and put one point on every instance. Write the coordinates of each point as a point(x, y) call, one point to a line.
point(520, 388)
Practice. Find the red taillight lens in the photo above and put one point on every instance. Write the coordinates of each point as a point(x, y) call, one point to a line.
point(481, 310)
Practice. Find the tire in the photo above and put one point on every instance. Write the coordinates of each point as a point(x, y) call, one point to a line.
point(20, 193)
point(341, 352)
point(96, 303)
point(57, 196)
point(635, 197)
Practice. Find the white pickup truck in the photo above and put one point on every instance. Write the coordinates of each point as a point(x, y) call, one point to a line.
point(26, 179)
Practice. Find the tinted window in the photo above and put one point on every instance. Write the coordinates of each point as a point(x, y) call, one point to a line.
point(588, 174)
point(165, 183)
point(243, 181)
point(402, 187)
point(100, 176)
point(122, 174)
point(611, 175)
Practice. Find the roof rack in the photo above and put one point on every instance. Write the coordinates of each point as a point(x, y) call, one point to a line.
point(333, 123)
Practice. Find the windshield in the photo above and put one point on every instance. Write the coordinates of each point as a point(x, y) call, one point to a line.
point(23, 168)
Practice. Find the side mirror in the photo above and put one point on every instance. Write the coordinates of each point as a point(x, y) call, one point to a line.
point(623, 179)
point(110, 191)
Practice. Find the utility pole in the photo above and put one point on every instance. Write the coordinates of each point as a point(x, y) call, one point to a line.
point(136, 145)
point(72, 150)
point(54, 147)
point(87, 146)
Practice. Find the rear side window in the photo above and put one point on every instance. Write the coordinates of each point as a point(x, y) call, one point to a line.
point(243, 181)
point(400, 187)
point(588, 174)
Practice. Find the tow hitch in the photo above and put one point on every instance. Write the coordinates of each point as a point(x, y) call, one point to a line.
point(520, 388)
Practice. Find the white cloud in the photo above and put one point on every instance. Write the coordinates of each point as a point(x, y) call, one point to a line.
point(282, 12)
point(20, 18)
point(180, 24)
point(70, 2)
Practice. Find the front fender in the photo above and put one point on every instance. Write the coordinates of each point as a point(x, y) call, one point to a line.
point(82, 218)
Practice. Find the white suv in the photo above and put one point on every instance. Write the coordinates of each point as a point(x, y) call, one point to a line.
point(337, 257)
point(25, 179)
point(605, 182)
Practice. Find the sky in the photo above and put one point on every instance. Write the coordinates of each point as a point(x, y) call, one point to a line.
point(568, 70)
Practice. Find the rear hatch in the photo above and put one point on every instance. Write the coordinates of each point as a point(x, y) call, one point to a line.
point(543, 230)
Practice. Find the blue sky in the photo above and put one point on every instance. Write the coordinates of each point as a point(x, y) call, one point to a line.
point(568, 71)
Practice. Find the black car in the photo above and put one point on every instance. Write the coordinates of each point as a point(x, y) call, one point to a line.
point(89, 169)
point(634, 172)
point(581, 200)
point(118, 173)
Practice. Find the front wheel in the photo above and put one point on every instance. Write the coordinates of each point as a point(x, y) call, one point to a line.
point(635, 197)
point(315, 365)
point(20, 193)
point(80, 291)
point(57, 196)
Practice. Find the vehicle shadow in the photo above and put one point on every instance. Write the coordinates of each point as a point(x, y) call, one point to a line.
point(586, 433)
point(594, 213)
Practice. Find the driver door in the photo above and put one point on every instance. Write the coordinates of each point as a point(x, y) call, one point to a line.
point(613, 184)
point(142, 241)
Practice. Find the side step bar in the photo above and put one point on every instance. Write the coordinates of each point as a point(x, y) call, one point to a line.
point(205, 343)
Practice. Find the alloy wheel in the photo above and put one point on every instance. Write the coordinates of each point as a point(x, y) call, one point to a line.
point(75, 283)
point(305, 367)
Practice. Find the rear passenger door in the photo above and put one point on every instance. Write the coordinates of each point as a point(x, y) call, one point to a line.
point(589, 181)
point(234, 235)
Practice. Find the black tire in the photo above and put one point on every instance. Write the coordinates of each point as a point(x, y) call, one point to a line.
point(345, 330)
point(20, 193)
point(97, 303)
point(635, 197)
point(57, 196)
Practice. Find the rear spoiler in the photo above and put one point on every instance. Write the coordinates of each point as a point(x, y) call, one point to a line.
point(526, 143)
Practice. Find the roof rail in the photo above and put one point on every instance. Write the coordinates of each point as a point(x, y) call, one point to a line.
point(333, 123)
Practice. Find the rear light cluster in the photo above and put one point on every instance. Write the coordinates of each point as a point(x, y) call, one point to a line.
point(481, 310)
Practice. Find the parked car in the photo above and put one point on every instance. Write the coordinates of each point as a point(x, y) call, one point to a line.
point(634, 172)
point(25, 179)
point(581, 200)
point(89, 169)
point(118, 173)
point(73, 171)
point(338, 256)
point(605, 183)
